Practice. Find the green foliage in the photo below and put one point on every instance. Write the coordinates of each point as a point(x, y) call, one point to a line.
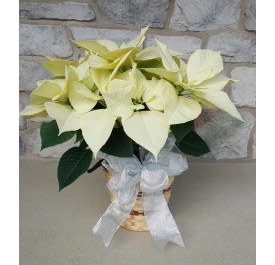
point(153, 63)
point(193, 144)
point(72, 164)
point(181, 130)
point(119, 144)
point(79, 136)
point(49, 134)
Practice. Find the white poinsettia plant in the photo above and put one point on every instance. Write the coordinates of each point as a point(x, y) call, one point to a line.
point(117, 98)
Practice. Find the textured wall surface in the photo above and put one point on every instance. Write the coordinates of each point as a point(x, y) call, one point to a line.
point(229, 26)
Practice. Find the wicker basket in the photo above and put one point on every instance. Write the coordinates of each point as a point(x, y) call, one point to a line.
point(136, 220)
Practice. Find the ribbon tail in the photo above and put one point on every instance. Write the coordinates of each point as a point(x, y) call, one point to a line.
point(160, 221)
point(110, 221)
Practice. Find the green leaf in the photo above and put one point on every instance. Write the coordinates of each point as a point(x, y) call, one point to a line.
point(95, 166)
point(79, 136)
point(153, 63)
point(83, 144)
point(119, 144)
point(193, 144)
point(49, 134)
point(72, 164)
point(182, 129)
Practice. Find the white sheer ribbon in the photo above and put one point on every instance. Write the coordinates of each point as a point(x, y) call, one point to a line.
point(152, 178)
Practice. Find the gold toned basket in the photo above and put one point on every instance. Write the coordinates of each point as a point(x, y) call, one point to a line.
point(136, 220)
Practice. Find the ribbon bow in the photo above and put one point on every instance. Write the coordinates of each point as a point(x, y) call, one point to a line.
point(152, 178)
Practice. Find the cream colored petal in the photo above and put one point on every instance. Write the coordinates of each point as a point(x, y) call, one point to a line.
point(221, 100)
point(137, 41)
point(183, 71)
point(81, 98)
point(167, 59)
point(83, 70)
point(203, 65)
point(120, 88)
point(71, 75)
point(99, 62)
point(121, 61)
point(72, 122)
point(162, 73)
point(66, 118)
point(147, 128)
point(199, 98)
point(183, 111)
point(113, 55)
point(218, 82)
point(38, 100)
point(123, 75)
point(110, 45)
point(96, 128)
point(93, 46)
point(48, 89)
point(59, 112)
point(61, 82)
point(115, 59)
point(137, 79)
point(57, 66)
point(31, 111)
point(101, 78)
point(121, 110)
point(159, 94)
point(85, 57)
point(89, 82)
point(147, 54)
point(150, 53)
point(118, 97)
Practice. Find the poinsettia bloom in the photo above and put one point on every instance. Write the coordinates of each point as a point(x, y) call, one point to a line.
point(205, 82)
point(143, 90)
point(200, 80)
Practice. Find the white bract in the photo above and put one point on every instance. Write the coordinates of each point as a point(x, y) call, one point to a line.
point(143, 90)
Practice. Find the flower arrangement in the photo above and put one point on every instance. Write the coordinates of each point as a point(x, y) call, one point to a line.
point(117, 99)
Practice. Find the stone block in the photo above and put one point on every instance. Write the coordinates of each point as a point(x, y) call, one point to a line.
point(45, 40)
point(30, 71)
point(250, 15)
point(63, 11)
point(142, 12)
point(226, 136)
point(243, 92)
point(234, 47)
point(116, 35)
point(201, 15)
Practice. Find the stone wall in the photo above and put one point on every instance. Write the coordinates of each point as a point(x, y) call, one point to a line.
point(46, 28)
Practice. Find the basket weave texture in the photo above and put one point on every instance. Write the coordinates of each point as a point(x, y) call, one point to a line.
point(136, 220)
